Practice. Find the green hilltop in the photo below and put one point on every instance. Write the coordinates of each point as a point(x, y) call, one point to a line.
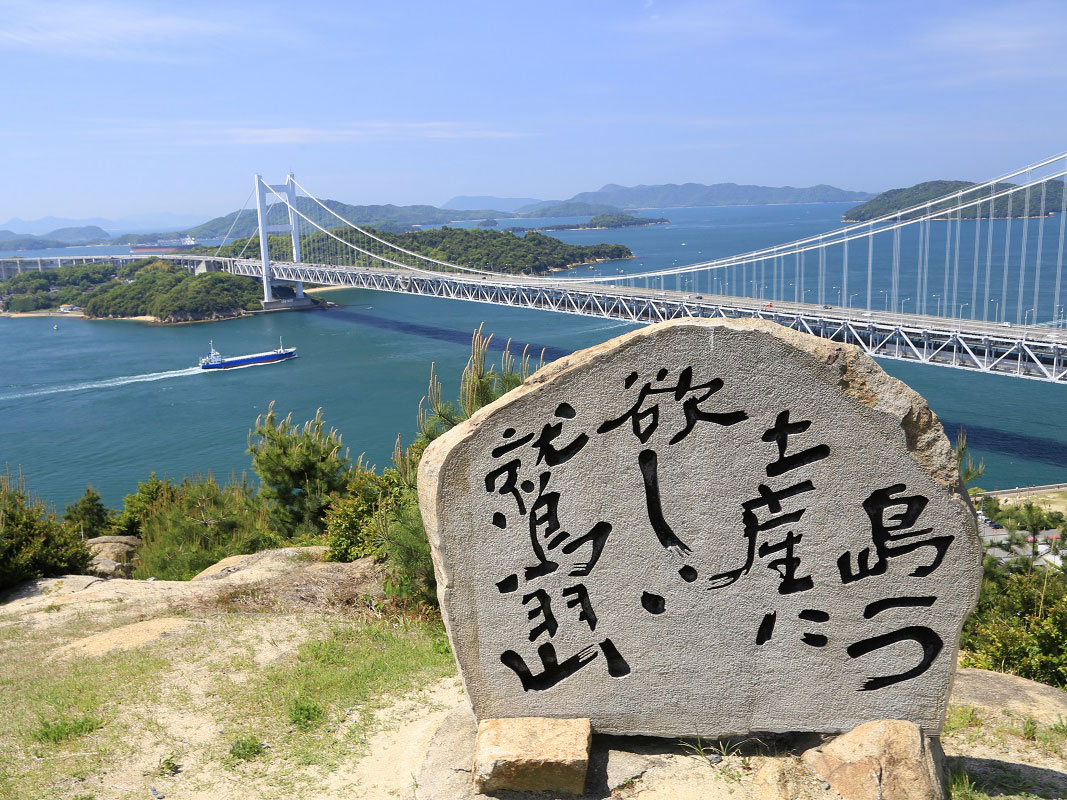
point(898, 199)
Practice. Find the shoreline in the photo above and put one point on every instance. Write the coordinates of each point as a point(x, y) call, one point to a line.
point(28, 314)
point(145, 318)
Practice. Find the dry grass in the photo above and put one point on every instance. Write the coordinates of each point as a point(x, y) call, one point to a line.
point(297, 664)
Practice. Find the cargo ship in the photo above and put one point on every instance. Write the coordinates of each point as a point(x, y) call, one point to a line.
point(164, 246)
point(214, 360)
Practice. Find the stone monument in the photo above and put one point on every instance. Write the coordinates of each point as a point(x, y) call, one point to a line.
point(704, 528)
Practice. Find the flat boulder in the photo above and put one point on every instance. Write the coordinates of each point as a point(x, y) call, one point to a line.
point(704, 528)
point(532, 755)
point(881, 760)
point(115, 548)
point(104, 567)
point(998, 692)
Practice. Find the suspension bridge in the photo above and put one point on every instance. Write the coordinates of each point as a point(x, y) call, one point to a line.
point(970, 279)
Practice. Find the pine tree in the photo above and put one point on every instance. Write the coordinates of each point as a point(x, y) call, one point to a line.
point(300, 469)
point(88, 516)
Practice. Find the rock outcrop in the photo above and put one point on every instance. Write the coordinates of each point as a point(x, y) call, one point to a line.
point(881, 760)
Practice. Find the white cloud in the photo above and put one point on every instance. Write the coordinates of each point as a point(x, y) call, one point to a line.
point(717, 22)
point(1019, 40)
point(221, 133)
point(101, 29)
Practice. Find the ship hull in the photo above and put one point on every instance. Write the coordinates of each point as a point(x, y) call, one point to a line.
point(252, 360)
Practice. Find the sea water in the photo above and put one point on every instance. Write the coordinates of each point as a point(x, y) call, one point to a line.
point(109, 402)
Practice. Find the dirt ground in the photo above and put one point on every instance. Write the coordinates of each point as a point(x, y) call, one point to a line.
point(179, 671)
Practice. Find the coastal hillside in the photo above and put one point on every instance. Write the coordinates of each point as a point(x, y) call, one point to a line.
point(895, 200)
point(146, 288)
point(385, 217)
point(501, 251)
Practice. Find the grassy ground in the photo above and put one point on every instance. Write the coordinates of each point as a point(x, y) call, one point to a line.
point(977, 742)
point(1049, 501)
point(256, 700)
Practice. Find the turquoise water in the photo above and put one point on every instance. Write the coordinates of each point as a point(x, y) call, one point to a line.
point(107, 403)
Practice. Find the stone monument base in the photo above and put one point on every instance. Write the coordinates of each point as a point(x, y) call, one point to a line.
point(534, 754)
point(886, 757)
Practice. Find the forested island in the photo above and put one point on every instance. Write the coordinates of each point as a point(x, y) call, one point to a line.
point(146, 288)
point(498, 251)
point(569, 208)
point(1014, 205)
point(607, 221)
point(157, 288)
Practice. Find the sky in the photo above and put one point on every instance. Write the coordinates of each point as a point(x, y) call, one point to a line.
point(122, 107)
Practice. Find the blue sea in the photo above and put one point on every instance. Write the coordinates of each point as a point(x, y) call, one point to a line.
point(107, 403)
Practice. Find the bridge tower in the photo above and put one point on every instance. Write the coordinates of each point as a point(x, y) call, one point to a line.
point(262, 190)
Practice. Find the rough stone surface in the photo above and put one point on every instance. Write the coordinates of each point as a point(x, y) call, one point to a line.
point(614, 763)
point(105, 567)
point(115, 548)
point(646, 561)
point(999, 692)
point(130, 541)
point(532, 754)
point(778, 780)
point(881, 760)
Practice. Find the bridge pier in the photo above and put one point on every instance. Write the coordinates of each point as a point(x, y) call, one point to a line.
point(288, 304)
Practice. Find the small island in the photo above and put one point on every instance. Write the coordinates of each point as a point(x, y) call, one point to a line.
point(601, 222)
point(608, 221)
point(149, 289)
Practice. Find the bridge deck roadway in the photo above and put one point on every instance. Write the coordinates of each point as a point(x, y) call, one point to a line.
point(1035, 351)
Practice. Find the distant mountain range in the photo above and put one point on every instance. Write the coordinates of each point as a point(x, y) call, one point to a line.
point(610, 199)
point(388, 217)
point(689, 195)
point(60, 237)
point(163, 222)
point(465, 203)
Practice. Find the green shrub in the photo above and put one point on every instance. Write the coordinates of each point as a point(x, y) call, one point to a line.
point(87, 516)
point(33, 544)
point(1020, 625)
point(1030, 729)
point(403, 543)
point(246, 748)
point(305, 713)
point(64, 728)
point(199, 524)
point(142, 504)
point(350, 518)
point(300, 470)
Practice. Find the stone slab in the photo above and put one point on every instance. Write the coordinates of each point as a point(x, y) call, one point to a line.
point(704, 528)
point(446, 771)
point(881, 760)
point(999, 692)
point(532, 754)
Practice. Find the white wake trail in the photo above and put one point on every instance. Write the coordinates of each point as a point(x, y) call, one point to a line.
point(105, 384)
